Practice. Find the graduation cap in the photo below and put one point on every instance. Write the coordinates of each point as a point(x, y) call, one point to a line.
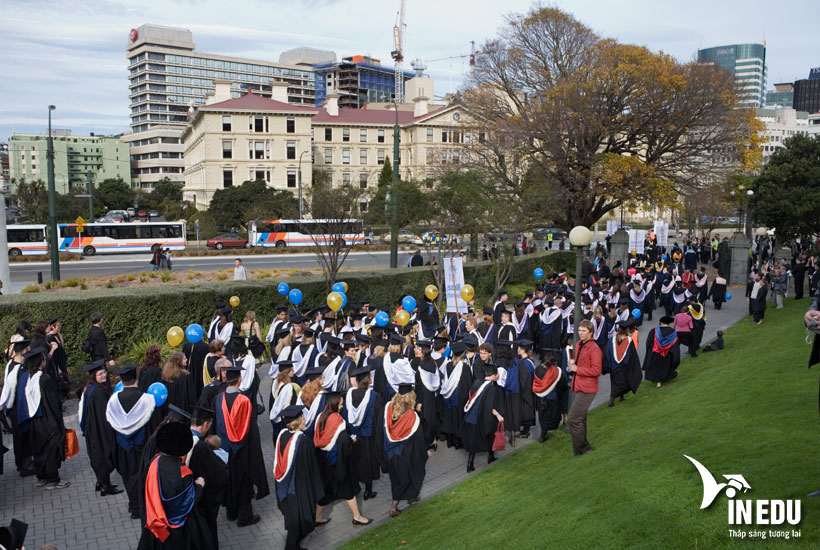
point(396, 339)
point(362, 338)
point(34, 352)
point(586, 300)
point(549, 301)
point(178, 415)
point(490, 369)
point(623, 301)
point(95, 366)
point(528, 294)
point(291, 413)
point(488, 310)
point(126, 369)
point(202, 415)
point(524, 343)
point(347, 344)
point(626, 323)
point(520, 303)
point(422, 343)
point(52, 320)
point(439, 340)
point(332, 341)
point(539, 288)
point(282, 331)
point(281, 309)
point(238, 346)
point(458, 348)
point(385, 309)
point(667, 320)
point(470, 341)
point(405, 389)
point(356, 316)
point(227, 309)
point(285, 364)
point(309, 332)
point(298, 319)
point(360, 372)
point(20, 345)
point(504, 342)
point(219, 304)
point(314, 372)
point(175, 439)
point(233, 372)
point(13, 536)
point(439, 328)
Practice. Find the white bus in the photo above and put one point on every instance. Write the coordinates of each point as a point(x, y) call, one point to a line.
point(27, 240)
point(282, 233)
point(113, 238)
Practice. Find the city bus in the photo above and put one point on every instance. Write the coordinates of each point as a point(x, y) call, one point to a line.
point(282, 233)
point(113, 238)
point(27, 240)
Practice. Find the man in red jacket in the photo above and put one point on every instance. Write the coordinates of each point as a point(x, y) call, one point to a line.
point(586, 368)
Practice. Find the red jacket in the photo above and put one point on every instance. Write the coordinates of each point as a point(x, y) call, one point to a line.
point(589, 367)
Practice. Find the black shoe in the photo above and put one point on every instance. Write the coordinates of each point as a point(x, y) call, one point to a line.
point(110, 490)
point(135, 515)
point(27, 473)
point(524, 434)
point(255, 519)
point(369, 494)
point(97, 487)
point(543, 437)
point(231, 517)
point(412, 501)
point(491, 458)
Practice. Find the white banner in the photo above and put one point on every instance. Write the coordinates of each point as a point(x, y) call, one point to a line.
point(636, 238)
point(612, 226)
point(453, 281)
point(662, 232)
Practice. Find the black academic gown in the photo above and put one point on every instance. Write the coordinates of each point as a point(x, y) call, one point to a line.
point(100, 438)
point(204, 463)
point(406, 462)
point(549, 405)
point(480, 426)
point(338, 478)
point(196, 354)
point(47, 431)
point(452, 418)
point(194, 533)
point(129, 462)
point(20, 436)
point(148, 376)
point(429, 412)
point(181, 393)
point(299, 506)
point(624, 375)
point(367, 447)
point(656, 366)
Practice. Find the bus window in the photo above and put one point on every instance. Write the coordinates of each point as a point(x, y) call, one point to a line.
point(145, 232)
point(126, 232)
point(24, 235)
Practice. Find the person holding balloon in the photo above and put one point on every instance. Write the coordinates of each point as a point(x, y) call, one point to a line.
point(130, 413)
point(196, 351)
point(178, 380)
point(100, 441)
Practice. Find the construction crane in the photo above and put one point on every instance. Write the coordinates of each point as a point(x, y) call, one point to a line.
point(398, 52)
point(472, 55)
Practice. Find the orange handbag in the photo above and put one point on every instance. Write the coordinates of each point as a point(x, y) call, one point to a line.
point(72, 445)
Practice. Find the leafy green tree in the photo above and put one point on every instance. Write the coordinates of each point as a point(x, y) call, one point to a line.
point(33, 199)
point(115, 194)
point(165, 189)
point(233, 207)
point(787, 192)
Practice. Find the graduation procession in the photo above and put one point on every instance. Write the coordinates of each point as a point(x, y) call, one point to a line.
point(360, 399)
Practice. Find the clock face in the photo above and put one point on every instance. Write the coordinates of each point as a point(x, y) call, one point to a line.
point(456, 116)
point(133, 35)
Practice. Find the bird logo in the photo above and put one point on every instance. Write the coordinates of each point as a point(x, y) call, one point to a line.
point(711, 488)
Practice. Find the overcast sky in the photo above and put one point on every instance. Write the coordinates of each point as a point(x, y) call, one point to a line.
point(72, 54)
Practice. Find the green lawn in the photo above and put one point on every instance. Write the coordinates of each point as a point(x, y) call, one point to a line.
point(750, 409)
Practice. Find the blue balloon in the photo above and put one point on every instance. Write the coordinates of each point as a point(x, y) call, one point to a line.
point(295, 296)
point(118, 387)
point(194, 333)
point(338, 287)
point(665, 257)
point(159, 391)
point(636, 313)
point(344, 299)
point(447, 352)
point(728, 296)
point(539, 273)
point(382, 319)
point(283, 289)
point(409, 303)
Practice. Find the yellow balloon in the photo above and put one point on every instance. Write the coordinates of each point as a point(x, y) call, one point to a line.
point(175, 335)
point(334, 301)
point(402, 318)
point(467, 293)
point(234, 301)
point(431, 291)
point(344, 284)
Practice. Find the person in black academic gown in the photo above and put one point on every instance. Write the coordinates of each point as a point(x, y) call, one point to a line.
point(405, 450)
point(524, 368)
point(46, 427)
point(427, 385)
point(482, 413)
point(662, 353)
point(204, 463)
point(239, 433)
point(549, 383)
point(364, 413)
point(334, 451)
point(207, 399)
point(151, 369)
point(196, 353)
point(622, 363)
point(12, 397)
point(180, 383)
point(454, 391)
point(298, 483)
point(100, 440)
point(171, 495)
point(131, 413)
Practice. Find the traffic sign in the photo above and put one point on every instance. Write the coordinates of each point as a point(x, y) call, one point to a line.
point(80, 224)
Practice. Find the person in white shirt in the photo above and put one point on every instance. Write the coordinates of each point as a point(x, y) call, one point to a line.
point(239, 271)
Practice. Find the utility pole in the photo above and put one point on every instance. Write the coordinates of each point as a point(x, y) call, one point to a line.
point(300, 183)
point(394, 186)
point(5, 277)
point(52, 205)
point(90, 188)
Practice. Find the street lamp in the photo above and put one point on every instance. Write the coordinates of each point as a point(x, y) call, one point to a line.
point(394, 207)
point(300, 183)
point(579, 239)
point(52, 204)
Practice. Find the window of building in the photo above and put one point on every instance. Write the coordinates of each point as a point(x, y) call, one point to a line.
point(363, 180)
point(455, 156)
point(227, 149)
point(428, 155)
point(381, 136)
point(256, 149)
point(328, 134)
point(362, 156)
point(444, 156)
point(346, 179)
point(291, 178)
point(380, 156)
point(345, 156)
point(429, 134)
point(291, 150)
point(363, 135)
point(345, 134)
point(227, 178)
point(259, 175)
point(466, 137)
point(290, 126)
point(481, 137)
point(363, 205)
point(258, 124)
point(444, 136)
point(328, 155)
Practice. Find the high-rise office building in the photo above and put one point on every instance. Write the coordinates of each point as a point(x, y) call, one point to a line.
point(167, 76)
point(807, 92)
point(782, 97)
point(748, 63)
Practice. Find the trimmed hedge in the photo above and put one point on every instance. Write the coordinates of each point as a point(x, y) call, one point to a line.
point(134, 314)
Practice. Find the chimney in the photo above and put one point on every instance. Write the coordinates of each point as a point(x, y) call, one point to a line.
point(222, 92)
point(420, 108)
point(332, 104)
point(279, 92)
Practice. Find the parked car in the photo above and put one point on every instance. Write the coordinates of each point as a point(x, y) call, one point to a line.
point(405, 236)
point(557, 234)
point(131, 212)
point(433, 237)
point(154, 214)
point(228, 241)
point(142, 213)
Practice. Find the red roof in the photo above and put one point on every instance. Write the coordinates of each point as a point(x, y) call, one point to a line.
point(368, 116)
point(254, 102)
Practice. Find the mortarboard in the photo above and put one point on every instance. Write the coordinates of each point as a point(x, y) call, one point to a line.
point(667, 320)
point(524, 342)
point(360, 372)
point(53, 320)
point(362, 338)
point(20, 345)
point(396, 339)
point(175, 439)
point(291, 413)
point(405, 388)
point(177, 414)
point(34, 352)
point(126, 369)
point(281, 309)
point(458, 348)
point(95, 366)
point(488, 310)
point(314, 372)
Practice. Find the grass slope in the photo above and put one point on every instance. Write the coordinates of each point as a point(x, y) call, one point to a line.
point(750, 409)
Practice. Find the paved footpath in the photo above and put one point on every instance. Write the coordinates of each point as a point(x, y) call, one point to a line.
point(77, 518)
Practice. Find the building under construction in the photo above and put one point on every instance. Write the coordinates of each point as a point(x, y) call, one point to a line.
point(358, 80)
